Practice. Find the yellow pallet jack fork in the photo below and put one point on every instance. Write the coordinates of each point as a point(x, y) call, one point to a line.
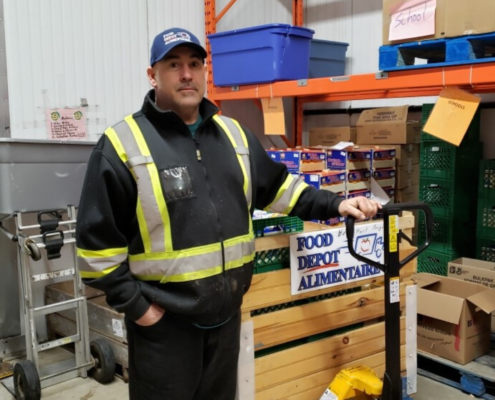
point(361, 382)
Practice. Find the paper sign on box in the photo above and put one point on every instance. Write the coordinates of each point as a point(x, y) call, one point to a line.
point(452, 114)
point(413, 18)
point(273, 114)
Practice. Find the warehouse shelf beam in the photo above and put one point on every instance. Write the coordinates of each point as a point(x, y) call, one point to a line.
point(224, 11)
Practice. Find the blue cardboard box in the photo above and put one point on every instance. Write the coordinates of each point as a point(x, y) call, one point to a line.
point(345, 160)
point(299, 160)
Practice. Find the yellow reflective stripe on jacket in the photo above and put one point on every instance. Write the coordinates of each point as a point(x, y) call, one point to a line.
point(155, 181)
point(287, 195)
point(239, 141)
point(196, 263)
point(97, 274)
point(97, 263)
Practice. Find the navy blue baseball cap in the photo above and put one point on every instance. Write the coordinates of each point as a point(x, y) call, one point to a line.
point(170, 39)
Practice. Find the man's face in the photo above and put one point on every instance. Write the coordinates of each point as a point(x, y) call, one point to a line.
point(179, 80)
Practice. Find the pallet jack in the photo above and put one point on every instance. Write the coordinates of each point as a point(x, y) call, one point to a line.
point(361, 382)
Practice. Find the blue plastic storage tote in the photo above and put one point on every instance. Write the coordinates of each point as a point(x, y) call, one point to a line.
point(327, 58)
point(260, 54)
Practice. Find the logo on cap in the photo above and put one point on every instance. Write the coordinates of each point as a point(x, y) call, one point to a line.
point(175, 37)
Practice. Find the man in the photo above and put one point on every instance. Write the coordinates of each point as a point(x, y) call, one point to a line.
point(164, 226)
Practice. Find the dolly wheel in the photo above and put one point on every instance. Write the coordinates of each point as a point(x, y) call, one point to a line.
point(32, 249)
point(26, 381)
point(104, 369)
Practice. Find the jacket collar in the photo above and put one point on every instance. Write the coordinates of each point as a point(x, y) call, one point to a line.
point(166, 117)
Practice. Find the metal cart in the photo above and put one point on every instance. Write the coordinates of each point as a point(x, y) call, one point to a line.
point(40, 175)
point(97, 357)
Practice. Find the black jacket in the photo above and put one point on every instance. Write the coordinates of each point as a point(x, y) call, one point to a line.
point(216, 211)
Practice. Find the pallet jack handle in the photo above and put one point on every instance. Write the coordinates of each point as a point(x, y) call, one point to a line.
point(392, 381)
point(386, 211)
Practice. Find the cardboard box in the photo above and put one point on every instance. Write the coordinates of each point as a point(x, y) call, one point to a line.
point(299, 160)
point(333, 181)
point(385, 177)
point(332, 135)
point(475, 271)
point(358, 193)
point(408, 176)
point(359, 180)
point(405, 154)
point(465, 17)
point(453, 317)
point(409, 194)
point(387, 126)
point(383, 158)
point(346, 160)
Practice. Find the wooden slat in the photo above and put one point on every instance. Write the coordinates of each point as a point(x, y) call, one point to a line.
point(68, 288)
point(310, 319)
point(272, 288)
point(336, 343)
point(289, 389)
point(280, 241)
point(323, 354)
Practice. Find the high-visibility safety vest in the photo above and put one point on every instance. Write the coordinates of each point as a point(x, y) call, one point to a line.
point(160, 262)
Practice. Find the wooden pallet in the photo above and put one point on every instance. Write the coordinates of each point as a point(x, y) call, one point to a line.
point(294, 359)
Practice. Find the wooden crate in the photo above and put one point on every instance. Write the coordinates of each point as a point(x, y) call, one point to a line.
point(298, 361)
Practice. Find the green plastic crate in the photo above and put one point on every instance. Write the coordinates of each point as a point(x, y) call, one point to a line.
point(266, 226)
point(486, 218)
point(271, 260)
point(434, 262)
point(487, 179)
point(472, 134)
point(447, 198)
point(485, 249)
point(442, 160)
point(449, 234)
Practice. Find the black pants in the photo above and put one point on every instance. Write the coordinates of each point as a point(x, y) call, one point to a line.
point(175, 360)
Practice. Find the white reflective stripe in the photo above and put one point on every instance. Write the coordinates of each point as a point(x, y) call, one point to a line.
point(98, 264)
point(138, 160)
point(241, 150)
point(154, 240)
point(183, 264)
point(288, 195)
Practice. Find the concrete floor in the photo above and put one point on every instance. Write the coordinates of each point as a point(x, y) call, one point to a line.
point(88, 389)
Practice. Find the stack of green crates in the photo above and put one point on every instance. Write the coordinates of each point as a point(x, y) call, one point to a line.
point(448, 183)
point(485, 246)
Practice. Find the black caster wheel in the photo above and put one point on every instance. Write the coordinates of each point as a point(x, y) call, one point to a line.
point(104, 359)
point(26, 381)
point(32, 249)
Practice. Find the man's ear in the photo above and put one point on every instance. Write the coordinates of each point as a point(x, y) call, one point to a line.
point(206, 72)
point(151, 76)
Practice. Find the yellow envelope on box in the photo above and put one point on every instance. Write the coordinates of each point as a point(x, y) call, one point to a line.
point(452, 114)
point(273, 114)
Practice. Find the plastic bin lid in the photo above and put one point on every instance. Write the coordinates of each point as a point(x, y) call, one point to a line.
point(329, 42)
point(276, 28)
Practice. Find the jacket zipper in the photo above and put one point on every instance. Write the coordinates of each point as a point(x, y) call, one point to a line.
point(219, 226)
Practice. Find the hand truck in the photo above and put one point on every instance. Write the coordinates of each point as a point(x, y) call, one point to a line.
point(97, 357)
point(361, 382)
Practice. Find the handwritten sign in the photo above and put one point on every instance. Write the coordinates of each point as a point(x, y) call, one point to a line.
point(414, 18)
point(66, 123)
point(321, 259)
point(274, 117)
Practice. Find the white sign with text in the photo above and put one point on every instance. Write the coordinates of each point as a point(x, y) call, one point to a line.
point(321, 259)
point(413, 18)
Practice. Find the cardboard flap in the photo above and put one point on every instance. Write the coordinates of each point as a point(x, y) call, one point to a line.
point(392, 115)
point(440, 306)
point(484, 300)
point(423, 280)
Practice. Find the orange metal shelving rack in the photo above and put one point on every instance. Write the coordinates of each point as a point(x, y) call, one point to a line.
point(475, 78)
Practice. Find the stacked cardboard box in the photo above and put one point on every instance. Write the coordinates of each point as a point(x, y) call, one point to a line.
point(387, 129)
